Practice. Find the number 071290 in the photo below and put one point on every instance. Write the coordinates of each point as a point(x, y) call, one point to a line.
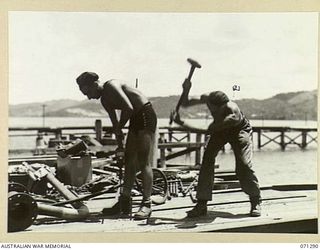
point(310, 246)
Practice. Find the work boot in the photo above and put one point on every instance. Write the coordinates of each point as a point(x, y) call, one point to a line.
point(255, 210)
point(123, 206)
point(197, 211)
point(144, 211)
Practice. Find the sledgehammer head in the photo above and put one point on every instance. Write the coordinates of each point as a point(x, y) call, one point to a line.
point(194, 63)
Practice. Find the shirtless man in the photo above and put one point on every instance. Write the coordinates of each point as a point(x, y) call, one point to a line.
point(141, 140)
point(229, 126)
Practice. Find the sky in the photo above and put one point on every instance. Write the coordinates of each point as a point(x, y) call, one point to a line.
point(263, 53)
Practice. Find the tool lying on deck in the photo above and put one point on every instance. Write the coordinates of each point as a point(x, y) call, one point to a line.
point(23, 209)
point(78, 210)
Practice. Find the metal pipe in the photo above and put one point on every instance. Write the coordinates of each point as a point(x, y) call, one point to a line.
point(80, 211)
point(63, 212)
point(67, 194)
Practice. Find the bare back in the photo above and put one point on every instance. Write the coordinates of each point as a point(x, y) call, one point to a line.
point(228, 109)
point(117, 95)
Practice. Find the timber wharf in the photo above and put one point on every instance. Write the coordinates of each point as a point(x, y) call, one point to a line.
point(291, 211)
point(170, 138)
point(290, 208)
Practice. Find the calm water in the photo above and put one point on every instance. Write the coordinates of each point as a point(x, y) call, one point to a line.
point(272, 165)
point(75, 121)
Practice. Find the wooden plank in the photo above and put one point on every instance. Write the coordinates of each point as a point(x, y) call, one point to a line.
point(179, 153)
point(166, 145)
point(222, 215)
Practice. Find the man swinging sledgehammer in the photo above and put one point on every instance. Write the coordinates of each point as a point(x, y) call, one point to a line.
point(229, 126)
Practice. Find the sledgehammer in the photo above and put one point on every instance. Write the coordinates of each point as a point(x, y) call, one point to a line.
point(194, 64)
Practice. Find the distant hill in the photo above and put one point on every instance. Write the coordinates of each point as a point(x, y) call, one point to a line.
point(36, 108)
point(290, 106)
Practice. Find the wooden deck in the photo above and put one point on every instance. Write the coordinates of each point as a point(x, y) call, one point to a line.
point(285, 209)
point(282, 212)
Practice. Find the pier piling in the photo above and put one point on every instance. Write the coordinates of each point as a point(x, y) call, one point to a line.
point(98, 129)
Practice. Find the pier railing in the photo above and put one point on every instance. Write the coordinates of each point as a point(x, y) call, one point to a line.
point(284, 136)
point(175, 141)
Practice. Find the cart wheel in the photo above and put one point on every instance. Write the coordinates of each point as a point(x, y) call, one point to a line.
point(159, 193)
point(22, 211)
point(17, 187)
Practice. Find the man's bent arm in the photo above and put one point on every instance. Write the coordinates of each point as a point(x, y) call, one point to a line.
point(115, 124)
point(122, 102)
point(194, 129)
point(187, 102)
point(190, 127)
point(124, 117)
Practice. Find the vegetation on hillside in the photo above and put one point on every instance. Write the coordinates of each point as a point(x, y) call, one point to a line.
point(290, 106)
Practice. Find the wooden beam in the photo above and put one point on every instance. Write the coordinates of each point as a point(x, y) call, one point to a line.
point(180, 153)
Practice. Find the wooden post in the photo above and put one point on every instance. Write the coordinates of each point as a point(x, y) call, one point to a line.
point(162, 152)
point(198, 151)
point(188, 140)
point(282, 143)
point(170, 135)
point(98, 129)
point(259, 138)
point(304, 139)
point(58, 134)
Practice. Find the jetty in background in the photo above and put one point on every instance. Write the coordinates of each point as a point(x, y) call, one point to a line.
point(170, 137)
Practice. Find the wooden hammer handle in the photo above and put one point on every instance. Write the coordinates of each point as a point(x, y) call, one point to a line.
point(191, 72)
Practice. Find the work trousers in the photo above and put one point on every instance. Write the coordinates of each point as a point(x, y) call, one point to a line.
point(241, 143)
